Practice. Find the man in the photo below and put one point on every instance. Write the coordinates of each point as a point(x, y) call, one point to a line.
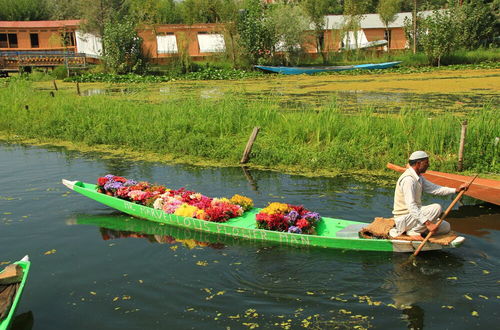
point(409, 214)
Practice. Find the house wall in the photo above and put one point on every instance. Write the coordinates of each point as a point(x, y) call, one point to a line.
point(49, 36)
point(186, 36)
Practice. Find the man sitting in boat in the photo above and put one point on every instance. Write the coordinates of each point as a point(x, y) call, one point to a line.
point(409, 214)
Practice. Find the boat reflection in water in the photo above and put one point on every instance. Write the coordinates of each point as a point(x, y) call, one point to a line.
point(476, 220)
point(120, 226)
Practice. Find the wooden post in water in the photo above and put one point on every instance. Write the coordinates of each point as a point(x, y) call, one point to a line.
point(248, 148)
point(462, 145)
point(78, 88)
point(55, 85)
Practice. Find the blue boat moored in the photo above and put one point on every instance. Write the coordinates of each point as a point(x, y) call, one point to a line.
point(315, 69)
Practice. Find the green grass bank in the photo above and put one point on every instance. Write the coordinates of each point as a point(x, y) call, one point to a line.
point(217, 130)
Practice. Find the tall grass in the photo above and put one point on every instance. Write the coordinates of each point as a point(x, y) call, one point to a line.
point(218, 130)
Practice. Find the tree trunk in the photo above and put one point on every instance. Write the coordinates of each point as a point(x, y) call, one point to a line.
point(414, 19)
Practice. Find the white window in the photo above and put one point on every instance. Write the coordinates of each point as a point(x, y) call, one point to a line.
point(211, 43)
point(167, 44)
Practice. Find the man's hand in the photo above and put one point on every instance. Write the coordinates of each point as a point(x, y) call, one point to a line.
point(463, 186)
point(432, 227)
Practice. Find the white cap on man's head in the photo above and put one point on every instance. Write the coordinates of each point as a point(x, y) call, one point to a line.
point(418, 155)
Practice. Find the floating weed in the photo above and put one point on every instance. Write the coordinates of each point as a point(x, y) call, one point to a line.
point(452, 278)
point(174, 247)
point(251, 325)
point(251, 313)
point(467, 297)
point(448, 307)
point(116, 298)
point(486, 272)
point(474, 313)
point(50, 252)
point(202, 263)
point(484, 297)
point(4, 263)
point(93, 293)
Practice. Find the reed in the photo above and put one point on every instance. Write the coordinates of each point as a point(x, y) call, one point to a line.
point(218, 129)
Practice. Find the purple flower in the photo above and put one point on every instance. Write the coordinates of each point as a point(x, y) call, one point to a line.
point(295, 230)
point(130, 183)
point(109, 176)
point(112, 185)
point(293, 216)
point(312, 217)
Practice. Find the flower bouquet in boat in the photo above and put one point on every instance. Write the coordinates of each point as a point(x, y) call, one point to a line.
point(180, 202)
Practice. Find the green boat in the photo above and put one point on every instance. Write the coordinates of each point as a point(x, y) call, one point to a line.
point(25, 265)
point(331, 233)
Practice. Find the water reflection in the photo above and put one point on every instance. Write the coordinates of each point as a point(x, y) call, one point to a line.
point(23, 321)
point(422, 281)
point(478, 220)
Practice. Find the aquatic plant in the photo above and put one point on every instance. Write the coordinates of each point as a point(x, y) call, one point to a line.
point(325, 138)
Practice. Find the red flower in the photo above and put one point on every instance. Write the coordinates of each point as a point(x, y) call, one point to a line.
point(302, 223)
point(300, 209)
point(102, 181)
point(119, 179)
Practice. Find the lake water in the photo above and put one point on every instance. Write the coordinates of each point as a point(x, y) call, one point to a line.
point(94, 268)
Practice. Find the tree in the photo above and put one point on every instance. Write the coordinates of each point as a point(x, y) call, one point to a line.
point(289, 37)
point(477, 24)
point(254, 34)
point(316, 11)
point(123, 46)
point(69, 9)
point(354, 11)
point(387, 10)
point(23, 10)
point(200, 11)
point(438, 35)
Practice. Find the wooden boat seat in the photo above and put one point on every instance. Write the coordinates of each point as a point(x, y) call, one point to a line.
point(11, 274)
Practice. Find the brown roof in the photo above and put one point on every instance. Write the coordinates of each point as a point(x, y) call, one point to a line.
point(38, 24)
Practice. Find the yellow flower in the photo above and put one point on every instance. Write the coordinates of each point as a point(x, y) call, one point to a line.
point(186, 210)
point(277, 208)
point(245, 202)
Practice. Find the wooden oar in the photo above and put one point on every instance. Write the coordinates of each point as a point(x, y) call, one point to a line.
point(443, 217)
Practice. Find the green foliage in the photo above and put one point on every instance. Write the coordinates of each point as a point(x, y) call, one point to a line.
point(68, 9)
point(59, 72)
point(200, 11)
point(387, 10)
point(476, 24)
point(123, 47)
point(255, 36)
point(316, 11)
point(204, 73)
point(438, 35)
point(288, 36)
point(24, 10)
point(218, 130)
